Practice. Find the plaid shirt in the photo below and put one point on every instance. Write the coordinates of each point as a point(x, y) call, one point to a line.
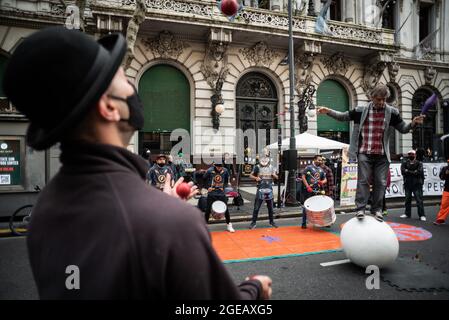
point(372, 132)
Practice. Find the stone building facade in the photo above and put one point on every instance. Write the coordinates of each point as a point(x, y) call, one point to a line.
point(188, 55)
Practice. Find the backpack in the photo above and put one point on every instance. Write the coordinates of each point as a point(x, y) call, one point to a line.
point(238, 201)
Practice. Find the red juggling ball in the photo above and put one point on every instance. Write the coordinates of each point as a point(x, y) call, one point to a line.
point(183, 190)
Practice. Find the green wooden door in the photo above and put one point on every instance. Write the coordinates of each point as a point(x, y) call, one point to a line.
point(332, 94)
point(165, 93)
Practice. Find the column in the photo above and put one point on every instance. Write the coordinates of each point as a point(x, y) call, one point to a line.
point(349, 11)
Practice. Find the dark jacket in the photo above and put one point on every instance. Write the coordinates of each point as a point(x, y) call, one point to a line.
point(128, 239)
point(444, 175)
point(413, 173)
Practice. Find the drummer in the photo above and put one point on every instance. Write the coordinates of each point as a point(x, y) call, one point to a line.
point(217, 179)
point(263, 173)
point(313, 181)
point(157, 174)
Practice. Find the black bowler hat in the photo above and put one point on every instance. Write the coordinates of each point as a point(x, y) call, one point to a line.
point(56, 75)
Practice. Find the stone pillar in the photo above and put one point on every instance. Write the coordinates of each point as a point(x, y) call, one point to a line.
point(276, 5)
point(349, 11)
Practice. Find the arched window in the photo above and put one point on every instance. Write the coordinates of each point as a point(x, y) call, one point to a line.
point(332, 94)
point(165, 93)
point(423, 135)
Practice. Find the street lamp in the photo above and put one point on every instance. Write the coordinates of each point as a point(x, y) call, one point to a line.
point(291, 184)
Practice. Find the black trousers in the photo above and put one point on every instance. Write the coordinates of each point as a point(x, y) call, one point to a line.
point(417, 191)
point(211, 198)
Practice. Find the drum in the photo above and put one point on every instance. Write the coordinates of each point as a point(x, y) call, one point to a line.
point(218, 210)
point(266, 194)
point(320, 211)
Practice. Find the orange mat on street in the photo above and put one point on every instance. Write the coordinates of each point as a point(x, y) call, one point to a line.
point(271, 243)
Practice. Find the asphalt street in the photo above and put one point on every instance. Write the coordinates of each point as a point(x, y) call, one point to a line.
point(294, 278)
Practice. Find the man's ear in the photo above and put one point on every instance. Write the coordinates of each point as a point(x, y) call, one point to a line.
point(108, 110)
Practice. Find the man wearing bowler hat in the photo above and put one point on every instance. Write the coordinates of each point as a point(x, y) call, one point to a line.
point(97, 215)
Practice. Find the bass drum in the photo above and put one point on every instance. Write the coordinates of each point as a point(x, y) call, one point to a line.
point(320, 211)
point(218, 209)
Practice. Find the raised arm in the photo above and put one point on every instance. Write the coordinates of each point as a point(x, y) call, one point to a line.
point(403, 127)
point(337, 115)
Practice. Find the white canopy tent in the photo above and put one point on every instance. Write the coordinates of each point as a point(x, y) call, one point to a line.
point(307, 143)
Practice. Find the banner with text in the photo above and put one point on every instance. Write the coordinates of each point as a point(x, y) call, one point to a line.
point(433, 185)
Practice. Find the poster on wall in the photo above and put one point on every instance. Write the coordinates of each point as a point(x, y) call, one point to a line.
point(348, 186)
point(10, 162)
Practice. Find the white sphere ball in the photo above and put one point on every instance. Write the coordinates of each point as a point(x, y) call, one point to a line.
point(311, 113)
point(369, 242)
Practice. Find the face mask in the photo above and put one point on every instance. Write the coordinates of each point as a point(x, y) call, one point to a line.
point(411, 157)
point(135, 106)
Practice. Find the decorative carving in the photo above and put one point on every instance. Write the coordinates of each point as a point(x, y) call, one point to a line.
point(166, 45)
point(429, 74)
point(6, 108)
point(260, 54)
point(305, 102)
point(131, 32)
point(304, 62)
point(393, 70)
point(214, 64)
point(250, 16)
point(217, 98)
point(372, 74)
point(336, 63)
point(355, 33)
point(57, 9)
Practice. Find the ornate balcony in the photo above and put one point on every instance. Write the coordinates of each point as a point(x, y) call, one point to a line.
point(251, 19)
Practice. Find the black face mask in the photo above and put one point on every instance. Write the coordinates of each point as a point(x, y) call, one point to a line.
point(135, 106)
point(411, 157)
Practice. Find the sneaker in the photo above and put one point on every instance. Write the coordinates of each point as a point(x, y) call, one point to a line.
point(274, 225)
point(385, 213)
point(360, 214)
point(439, 222)
point(230, 228)
point(404, 216)
point(423, 218)
point(304, 226)
point(252, 225)
point(379, 216)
